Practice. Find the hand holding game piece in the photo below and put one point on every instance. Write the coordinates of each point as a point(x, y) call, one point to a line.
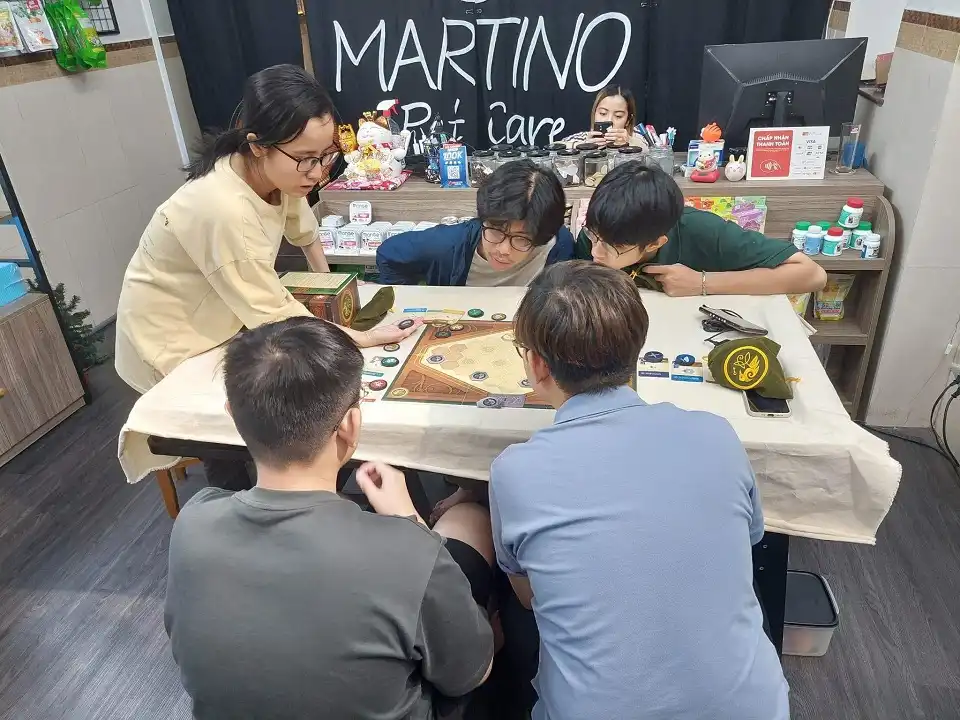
point(386, 334)
point(386, 489)
point(677, 280)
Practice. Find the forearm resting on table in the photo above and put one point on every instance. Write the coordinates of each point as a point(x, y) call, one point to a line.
point(797, 274)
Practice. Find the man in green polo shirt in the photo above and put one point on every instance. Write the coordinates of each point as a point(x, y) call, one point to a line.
point(637, 222)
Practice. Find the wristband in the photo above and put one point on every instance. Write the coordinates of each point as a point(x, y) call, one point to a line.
point(703, 282)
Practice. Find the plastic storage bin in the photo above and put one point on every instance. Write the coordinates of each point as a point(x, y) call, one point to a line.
point(811, 615)
point(12, 284)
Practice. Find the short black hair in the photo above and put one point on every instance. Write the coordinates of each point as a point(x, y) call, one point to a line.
point(587, 322)
point(289, 384)
point(522, 190)
point(634, 204)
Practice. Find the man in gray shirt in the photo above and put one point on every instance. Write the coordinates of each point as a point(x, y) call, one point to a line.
point(287, 601)
point(628, 527)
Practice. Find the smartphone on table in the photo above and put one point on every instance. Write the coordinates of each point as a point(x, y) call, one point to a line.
point(759, 406)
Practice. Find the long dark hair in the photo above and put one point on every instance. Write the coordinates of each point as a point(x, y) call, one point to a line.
point(277, 104)
point(614, 91)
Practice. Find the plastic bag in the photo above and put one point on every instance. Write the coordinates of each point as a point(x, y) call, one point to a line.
point(79, 44)
point(828, 303)
point(34, 28)
point(10, 42)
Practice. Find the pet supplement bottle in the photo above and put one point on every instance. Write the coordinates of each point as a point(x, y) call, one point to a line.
point(851, 214)
point(833, 242)
point(813, 240)
point(799, 234)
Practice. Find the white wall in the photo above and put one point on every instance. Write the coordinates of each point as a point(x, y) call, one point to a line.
point(131, 21)
point(879, 21)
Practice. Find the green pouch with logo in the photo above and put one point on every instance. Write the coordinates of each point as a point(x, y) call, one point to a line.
point(750, 364)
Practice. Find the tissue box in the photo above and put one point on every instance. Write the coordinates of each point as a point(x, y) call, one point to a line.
point(12, 284)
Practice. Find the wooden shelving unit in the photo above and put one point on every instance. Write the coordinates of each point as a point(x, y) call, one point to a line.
point(850, 340)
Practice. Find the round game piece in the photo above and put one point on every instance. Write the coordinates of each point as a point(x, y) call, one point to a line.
point(653, 357)
point(442, 334)
point(404, 324)
point(509, 337)
point(479, 375)
point(475, 312)
point(391, 347)
point(489, 402)
point(685, 360)
point(378, 385)
point(399, 392)
point(498, 316)
point(455, 327)
point(389, 361)
point(435, 359)
point(525, 383)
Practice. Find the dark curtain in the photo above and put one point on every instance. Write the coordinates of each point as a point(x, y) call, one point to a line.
point(224, 41)
point(679, 30)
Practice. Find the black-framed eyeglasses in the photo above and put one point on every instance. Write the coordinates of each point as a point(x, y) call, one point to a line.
point(495, 236)
point(607, 247)
point(307, 164)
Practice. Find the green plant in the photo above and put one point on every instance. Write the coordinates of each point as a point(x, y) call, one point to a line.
point(83, 340)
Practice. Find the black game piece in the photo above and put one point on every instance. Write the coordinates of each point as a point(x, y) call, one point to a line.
point(404, 324)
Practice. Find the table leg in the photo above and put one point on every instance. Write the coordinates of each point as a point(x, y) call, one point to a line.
point(770, 573)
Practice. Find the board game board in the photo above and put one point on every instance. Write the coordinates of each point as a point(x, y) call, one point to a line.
point(471, 362)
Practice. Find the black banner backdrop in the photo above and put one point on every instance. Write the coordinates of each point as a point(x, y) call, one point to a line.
point(518, 71)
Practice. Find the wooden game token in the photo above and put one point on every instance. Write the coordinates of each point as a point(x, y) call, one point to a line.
point(475, 312)
point(525, 383)
point(509, 337)
point(435, 359)
point(479, 375)
point(404, 324)
point(490, 402)
point(442, 334)
point(389, 361)
point(439, 323)
point(399, 392)
point(456, 327)
point(498, 316)
point(377, 385)
point(392, 347)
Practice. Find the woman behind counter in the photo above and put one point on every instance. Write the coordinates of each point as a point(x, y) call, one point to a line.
point(204, 268)
point(616, 105)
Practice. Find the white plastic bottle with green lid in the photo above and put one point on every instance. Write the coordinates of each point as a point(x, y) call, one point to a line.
point(860, 234)
point(799, 234)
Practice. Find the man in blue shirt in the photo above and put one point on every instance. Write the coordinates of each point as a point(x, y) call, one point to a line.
point(627, 527)
point(518, 230)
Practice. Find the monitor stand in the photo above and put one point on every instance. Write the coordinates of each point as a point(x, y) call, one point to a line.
point(781, 102)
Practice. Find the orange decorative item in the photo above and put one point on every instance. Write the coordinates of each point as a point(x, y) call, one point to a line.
point(347, 138)
point(711, 133)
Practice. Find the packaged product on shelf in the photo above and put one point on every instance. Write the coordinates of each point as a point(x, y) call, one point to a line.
point(372, 237)
point(401, 227)
point(828, 303)
point(361, 212)
point(33, 25)
point(348, 239)
point(10, 41)
point(449, 220)
point(79, 46)
point(453, 166)
point(333, 221)
point(800, 303)
point(327, 236)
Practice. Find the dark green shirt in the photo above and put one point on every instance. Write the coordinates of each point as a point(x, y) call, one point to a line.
point(706, 242)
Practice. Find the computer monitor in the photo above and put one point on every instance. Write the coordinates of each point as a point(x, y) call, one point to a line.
point(780, 84)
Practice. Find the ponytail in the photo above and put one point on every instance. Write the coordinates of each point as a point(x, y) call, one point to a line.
point(212, 147)
point(278, 102)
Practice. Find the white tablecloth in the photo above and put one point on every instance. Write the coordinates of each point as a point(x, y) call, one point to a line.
point(820, 475)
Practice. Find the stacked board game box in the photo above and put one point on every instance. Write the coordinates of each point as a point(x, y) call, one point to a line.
point(330, 296)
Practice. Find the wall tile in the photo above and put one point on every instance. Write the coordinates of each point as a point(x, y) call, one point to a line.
point(84, 234)
point(122, 216)
point(941, 44)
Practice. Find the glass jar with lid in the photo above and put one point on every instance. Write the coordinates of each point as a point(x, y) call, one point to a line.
point(554, 148)
point(628, 154)
point(541, 158)
point(586, 147)
point(661, 157)
point(595, 166)
point(508, 156)
point(482, 164)
point(567, 166)
point(502, 147)
point(525, 150)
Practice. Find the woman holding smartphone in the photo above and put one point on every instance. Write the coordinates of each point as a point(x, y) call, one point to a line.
point(614, 120)
point(204, 268)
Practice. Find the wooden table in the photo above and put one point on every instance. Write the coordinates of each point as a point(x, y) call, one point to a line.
point(850, 340)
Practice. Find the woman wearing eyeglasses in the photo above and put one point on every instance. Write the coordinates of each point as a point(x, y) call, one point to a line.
point(204, 268)
point(519, 229)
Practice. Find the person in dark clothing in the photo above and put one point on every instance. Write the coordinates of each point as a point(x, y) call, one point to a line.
point(287, 601)
point(518, 231)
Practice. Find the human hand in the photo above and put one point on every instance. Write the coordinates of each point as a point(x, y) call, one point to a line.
point(385, 334)
point(595, 137)
point(677, 280)
point(460, 495)
point(386, 489)
point(617, 136)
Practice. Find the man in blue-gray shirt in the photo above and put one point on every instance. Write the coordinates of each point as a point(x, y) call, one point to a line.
point(627, 527)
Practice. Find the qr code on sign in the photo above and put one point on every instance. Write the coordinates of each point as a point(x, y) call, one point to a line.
point(453, 172)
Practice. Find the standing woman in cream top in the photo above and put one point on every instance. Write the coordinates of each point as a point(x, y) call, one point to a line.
point(204, 268)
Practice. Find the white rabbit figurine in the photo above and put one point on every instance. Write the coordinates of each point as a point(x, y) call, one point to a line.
point(736, 169)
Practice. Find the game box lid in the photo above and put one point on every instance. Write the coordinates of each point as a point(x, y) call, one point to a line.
point(311, 283)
